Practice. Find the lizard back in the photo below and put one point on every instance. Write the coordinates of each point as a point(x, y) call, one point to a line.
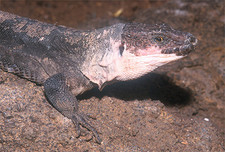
point(35, 50)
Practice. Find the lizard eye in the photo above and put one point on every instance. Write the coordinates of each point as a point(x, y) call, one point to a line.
point(158, 39)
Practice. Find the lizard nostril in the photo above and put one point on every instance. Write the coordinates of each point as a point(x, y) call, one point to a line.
point(192, 40)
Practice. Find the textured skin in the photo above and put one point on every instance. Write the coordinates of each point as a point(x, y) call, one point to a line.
point(141, 36)
point(69, 62)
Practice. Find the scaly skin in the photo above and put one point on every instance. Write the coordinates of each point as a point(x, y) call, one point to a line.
point(69, 62)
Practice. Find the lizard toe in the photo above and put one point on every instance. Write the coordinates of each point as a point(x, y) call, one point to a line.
point(77, 126)
point(79, 119)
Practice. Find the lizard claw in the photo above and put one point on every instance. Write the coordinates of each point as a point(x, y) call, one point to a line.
point(78, 119)
point(77, 126)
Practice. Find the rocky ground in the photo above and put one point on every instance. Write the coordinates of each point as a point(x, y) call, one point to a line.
point(178, 107)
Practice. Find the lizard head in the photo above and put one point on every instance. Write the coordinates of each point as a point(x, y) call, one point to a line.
point(145, 47)
point(142, 39)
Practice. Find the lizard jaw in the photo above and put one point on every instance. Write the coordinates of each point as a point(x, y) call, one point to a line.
point(128, 66)
point(132, 66)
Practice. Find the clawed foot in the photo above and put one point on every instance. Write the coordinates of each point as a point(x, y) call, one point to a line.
point(79, 119)
point(59, 95)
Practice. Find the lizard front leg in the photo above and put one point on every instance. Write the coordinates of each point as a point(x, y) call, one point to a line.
point(66, 103)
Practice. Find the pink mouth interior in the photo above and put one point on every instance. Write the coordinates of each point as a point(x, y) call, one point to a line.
point(148, 51)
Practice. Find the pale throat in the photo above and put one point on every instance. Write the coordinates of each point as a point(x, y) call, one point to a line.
point(127, 66)
point(131, 66)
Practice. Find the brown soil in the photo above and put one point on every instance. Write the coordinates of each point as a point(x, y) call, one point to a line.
point(179, 107)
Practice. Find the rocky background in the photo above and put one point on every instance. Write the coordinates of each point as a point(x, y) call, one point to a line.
point(178, 107)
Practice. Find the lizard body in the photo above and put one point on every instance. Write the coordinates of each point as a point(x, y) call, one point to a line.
point(68, 62)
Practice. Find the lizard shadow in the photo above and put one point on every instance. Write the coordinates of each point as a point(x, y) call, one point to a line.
point(152, 86)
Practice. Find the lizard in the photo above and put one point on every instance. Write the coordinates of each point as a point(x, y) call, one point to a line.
point(67, 62)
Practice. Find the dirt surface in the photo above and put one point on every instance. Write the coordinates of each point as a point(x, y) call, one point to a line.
point(179, 107)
